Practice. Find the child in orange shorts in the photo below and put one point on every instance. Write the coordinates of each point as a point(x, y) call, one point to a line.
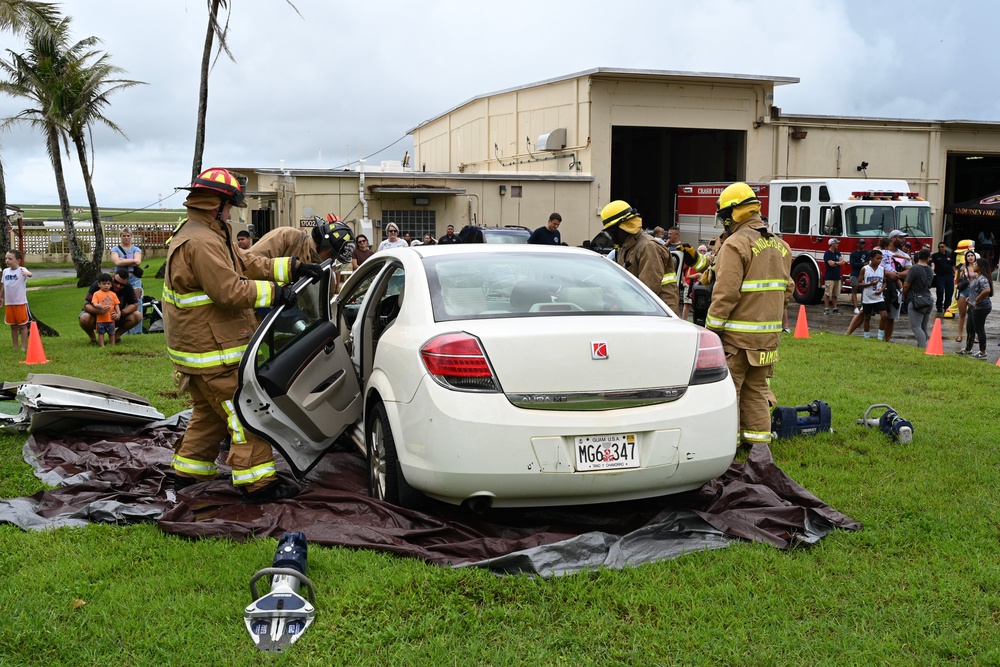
point(14, 298)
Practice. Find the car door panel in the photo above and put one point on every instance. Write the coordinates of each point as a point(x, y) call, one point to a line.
point(298, 389)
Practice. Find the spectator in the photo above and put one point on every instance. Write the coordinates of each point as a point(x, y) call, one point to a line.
point(393, 241)
point(548, 234)
point(243, 240)
point(659, 235)
point(130, 314)
point(110, 309)
point(409, 241)
point(130, 257)
point(674, 237)
point(896, 263)
point(858, 260)
point(872, 282)
point(963, 278)
point(429, 240)
point(14, 298)
point(449, 236)
point(917, 289)
point(832, 263)
point(980, 291)
point(943, 263)
point(361, 252)
point(984, 244)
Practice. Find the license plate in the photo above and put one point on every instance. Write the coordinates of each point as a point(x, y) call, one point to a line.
point(607, 452)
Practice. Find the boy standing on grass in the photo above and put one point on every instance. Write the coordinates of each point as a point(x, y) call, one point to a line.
point(106, 320)
point(14, 298)
point(872, 280)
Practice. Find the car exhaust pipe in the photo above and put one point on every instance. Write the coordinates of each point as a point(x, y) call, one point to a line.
point(478, 504)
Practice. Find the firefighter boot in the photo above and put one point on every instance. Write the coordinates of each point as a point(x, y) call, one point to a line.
point(276, 490)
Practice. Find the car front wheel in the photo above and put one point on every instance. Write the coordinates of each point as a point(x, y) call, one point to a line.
point(385, 479)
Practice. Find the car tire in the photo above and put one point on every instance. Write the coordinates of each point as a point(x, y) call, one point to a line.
point(385, 477)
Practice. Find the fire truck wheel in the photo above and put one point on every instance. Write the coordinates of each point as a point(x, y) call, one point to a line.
point(807, 287)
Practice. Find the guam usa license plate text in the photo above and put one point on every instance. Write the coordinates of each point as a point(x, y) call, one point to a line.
point(607, 452)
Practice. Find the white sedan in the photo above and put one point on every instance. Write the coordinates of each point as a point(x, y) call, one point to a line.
point(494, 376)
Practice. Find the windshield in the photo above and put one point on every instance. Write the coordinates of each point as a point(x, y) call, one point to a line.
point(505, 236)
point(877, 221)
point(532, 285)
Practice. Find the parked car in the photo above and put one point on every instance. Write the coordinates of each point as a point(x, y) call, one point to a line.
point(494, 235)
point(494, 376)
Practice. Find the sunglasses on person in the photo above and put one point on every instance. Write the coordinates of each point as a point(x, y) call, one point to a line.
point(393, 231)
point(362, 240)
point(118, 283)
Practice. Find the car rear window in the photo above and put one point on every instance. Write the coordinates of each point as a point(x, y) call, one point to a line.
point(484, 286)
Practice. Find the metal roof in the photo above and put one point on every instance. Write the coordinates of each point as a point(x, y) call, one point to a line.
point(621, 73)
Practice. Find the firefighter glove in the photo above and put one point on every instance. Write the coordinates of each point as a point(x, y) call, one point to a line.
point(306, 270)
point(285, 296)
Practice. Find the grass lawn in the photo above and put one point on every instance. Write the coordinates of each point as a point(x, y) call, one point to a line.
point(920, 585)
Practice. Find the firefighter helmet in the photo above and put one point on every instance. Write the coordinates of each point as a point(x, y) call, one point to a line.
point(334, 240)
point(617, 212)
point(223, 183)
point(737, 194)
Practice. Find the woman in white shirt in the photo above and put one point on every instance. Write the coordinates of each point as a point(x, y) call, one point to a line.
point(393, 241)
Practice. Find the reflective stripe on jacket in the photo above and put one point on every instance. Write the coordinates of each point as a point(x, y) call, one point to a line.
point(752, 288)
point(209, 292)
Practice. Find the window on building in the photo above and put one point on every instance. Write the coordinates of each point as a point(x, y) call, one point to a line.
point(417, 223)
point(515, 191)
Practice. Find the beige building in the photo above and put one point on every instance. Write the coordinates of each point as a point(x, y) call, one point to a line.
point(574, 143)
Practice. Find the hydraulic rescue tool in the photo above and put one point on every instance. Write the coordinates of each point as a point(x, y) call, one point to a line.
point(889, 423)
point(276, 620)
point(800, 420)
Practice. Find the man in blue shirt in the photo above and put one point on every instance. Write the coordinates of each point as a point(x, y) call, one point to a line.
point(832, 262)
point(549, 234)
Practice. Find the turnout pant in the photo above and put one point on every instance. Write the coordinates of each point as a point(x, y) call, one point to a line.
point(212, 418)
point(752, 394)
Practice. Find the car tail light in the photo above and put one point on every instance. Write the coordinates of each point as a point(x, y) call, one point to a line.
point(457, 361)
point(710, 364)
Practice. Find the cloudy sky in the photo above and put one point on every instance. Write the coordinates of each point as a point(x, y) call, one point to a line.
point(342, 80)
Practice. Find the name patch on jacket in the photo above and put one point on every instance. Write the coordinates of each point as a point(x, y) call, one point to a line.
point(765, 242)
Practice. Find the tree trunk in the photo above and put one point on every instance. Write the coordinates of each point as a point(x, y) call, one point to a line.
point(206, 61)
point(93, 268)
point(76, 252)
point(4, 223)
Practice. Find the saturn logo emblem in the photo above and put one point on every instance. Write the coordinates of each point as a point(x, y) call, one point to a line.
point(599, 350)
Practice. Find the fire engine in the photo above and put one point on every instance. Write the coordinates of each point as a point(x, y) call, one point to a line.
point(808, 212)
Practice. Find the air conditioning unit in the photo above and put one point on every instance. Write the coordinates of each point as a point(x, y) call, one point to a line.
point(552, 141)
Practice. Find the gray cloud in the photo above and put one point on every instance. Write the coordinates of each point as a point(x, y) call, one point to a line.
point(346, 79)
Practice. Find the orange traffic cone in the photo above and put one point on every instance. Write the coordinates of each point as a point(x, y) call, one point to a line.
point(36, 355)
point(934, 345)
point(801, 326)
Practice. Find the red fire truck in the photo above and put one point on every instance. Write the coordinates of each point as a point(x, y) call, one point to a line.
point(808, 212)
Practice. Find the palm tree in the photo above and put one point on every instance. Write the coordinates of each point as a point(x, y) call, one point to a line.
point(17, 17)
point(42, 75)
point(89, 87)
point(220, 31)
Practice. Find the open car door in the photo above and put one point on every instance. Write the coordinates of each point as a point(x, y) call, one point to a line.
point(298, 389)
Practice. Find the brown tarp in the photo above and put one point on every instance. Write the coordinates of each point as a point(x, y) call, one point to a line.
point(120, 478)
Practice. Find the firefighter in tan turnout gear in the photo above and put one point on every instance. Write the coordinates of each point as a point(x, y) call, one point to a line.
point(640, 255)
point(209, 292)
point(752, 288)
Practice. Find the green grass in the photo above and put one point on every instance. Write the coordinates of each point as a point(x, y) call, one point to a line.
point(920, 585)
point(36, 212)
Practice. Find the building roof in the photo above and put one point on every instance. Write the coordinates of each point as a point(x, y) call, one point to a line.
point(628, 73)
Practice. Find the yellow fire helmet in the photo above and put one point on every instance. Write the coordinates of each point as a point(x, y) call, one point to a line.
point(733, 197)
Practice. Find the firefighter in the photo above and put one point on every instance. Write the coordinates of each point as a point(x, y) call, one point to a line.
point(209, 292)
point(637, 252)
point(751, 292)
point(647, 260)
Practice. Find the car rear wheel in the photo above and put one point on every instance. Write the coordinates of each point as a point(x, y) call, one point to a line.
point(385, 479)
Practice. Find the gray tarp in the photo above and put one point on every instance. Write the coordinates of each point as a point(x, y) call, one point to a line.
point(122, 478)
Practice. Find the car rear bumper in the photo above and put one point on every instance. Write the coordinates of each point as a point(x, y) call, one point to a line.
point(457, 445)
